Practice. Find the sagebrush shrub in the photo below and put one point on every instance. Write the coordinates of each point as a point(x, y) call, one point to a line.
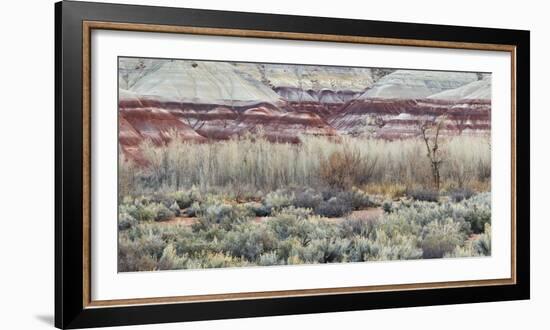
point(138, 211)
point(161, 198)
point(268, 259)
point(359, 200)
point(307, 199)
point(186, 198)
point(357, 227)
point(277, 200)
point(175, 208)
point(139, 248)
point(293, 222)
point(361, 249)
point(288, 251)
point(126, 221)
point(258, 209)
point(477, 211)
point(388, 244)
point(325, 250)
point(194, 244)
point(441, 237)
point(216, 212)
point(482, 244)
point(458, 195)
point(387, 206)
point(334, 208)
point(161, 212)
point(131, 258)
point(477, 247)
point(425, 195)
point(191, 211)
point(249, 242)
point(221, 260)
point(170, 259)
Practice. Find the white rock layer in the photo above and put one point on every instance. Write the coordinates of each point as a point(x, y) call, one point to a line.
point(416, 84)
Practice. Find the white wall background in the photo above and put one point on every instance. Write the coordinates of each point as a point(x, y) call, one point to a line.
point(27, 169)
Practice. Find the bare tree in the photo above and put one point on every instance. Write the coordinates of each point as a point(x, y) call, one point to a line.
point(461, 123)
point(194, 121)
point(379, 121)
point(429, 131)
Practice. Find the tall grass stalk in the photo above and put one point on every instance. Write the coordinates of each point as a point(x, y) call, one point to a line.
point(252, 164)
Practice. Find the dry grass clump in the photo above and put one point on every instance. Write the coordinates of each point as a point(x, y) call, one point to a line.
point(347, 167)
point(250, 166)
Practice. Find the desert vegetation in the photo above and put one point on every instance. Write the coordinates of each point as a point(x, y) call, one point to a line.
point(250, 202)
point(251, 165)
point(275, 231)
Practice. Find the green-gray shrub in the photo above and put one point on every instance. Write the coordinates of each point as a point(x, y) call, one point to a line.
point(171, 260)
point(308, 199)
point(458, 195)
point(175, 208)
point(249, 241)
point(138, 211)
point(258, 209)
point(352, 227)
point(387, 206)
point(293, 222)
point(357, 199)
point(131, 258)
point(425, 195)
point(361, 249)
point(441, 237)
point(396, 247)
point(186, 198)
point(334, 208)
point(126, 221)
point(277, 200)
point(161, 212)
point(326, 250)
point(477, 211)
point(216, 212)
point(268, 259)
point(482, 244)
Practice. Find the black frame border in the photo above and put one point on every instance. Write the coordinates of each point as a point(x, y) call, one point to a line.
point(69, 307)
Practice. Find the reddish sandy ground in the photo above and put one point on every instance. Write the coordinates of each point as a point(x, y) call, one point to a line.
point(473, 237)
point(365, 215)
point(184, 221)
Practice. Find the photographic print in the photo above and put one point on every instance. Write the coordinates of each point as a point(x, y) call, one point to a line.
point(233, 164)
point(215, 164)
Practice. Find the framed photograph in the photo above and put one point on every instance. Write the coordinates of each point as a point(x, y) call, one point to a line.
point(218, 164)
